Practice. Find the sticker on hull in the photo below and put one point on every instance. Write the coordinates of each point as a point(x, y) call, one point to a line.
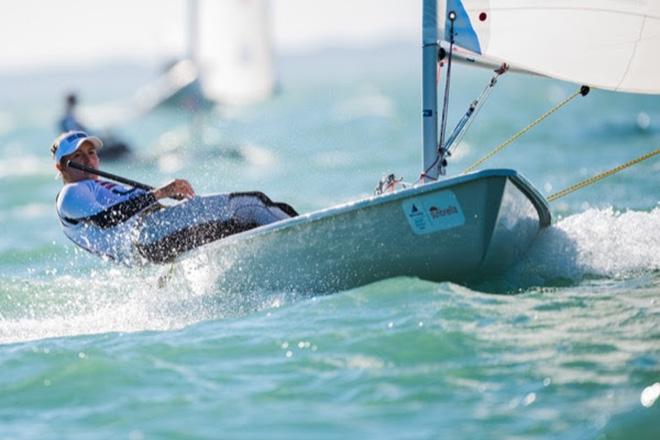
point(433, 212)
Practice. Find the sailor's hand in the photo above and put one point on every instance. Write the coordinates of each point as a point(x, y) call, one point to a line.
point(178, 189)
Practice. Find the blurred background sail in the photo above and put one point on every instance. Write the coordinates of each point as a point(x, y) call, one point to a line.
point(229, 57)
point(234, 50)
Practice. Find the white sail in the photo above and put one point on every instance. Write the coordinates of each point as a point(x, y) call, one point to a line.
point(607, 44)
point(234, 50)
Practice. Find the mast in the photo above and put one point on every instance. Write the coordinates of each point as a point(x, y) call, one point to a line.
point(429, 87)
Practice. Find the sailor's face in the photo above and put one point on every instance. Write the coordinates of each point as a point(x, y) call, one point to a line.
point(84, 155)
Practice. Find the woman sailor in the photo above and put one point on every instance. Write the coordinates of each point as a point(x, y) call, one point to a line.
point(126, 224)
point(96, 214)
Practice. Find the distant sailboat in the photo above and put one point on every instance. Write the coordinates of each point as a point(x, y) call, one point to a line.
point(229, 60)
point(234, 51)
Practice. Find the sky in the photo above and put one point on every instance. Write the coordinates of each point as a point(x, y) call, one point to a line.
point(37, 33)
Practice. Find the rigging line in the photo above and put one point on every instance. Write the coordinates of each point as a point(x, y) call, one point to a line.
point(583, 90)
point(453, 146)
point(466, 121)
point(601, 176)
point(445, 104)
point(473, 111)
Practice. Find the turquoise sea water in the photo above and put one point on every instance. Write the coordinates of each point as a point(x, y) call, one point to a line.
point(566, 344)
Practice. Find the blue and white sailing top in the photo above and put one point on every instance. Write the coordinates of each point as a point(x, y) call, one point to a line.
point(112, 220)
point(100, 216)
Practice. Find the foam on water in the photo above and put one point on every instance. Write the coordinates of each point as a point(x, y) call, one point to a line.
point(119, 300)
point(594, 243)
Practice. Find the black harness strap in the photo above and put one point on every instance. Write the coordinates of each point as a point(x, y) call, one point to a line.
point(169, 247)
point(115, 214)
point(285, 207)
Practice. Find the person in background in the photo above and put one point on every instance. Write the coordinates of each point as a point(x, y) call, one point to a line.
point(69, 121)
point(114, 148)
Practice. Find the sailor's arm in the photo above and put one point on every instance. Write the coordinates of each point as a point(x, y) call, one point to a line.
point(178, 189)
point(79, 204)
point(122, 211)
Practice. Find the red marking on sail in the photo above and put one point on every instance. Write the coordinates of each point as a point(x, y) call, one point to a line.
point(438, 74)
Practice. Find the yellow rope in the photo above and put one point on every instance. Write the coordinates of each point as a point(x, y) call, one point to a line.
point(601, 176)
point(521, 132)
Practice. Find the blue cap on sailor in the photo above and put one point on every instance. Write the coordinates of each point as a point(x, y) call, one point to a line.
point(70, 141)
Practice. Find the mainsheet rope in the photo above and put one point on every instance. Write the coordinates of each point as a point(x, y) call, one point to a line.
point(583, 90)
point(601, 176)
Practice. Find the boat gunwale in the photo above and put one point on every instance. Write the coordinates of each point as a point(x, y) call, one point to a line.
point(519, 181)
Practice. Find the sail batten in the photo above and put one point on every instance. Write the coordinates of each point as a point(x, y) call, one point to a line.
point(577, 8)
point(632, 56)
point(608, 44)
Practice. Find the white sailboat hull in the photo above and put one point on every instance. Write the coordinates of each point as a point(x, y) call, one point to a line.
point(460, 229)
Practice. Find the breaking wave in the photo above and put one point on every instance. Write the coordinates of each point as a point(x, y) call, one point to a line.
point(602, 243)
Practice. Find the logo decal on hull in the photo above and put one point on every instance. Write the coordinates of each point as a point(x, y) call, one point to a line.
point(433, 212)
